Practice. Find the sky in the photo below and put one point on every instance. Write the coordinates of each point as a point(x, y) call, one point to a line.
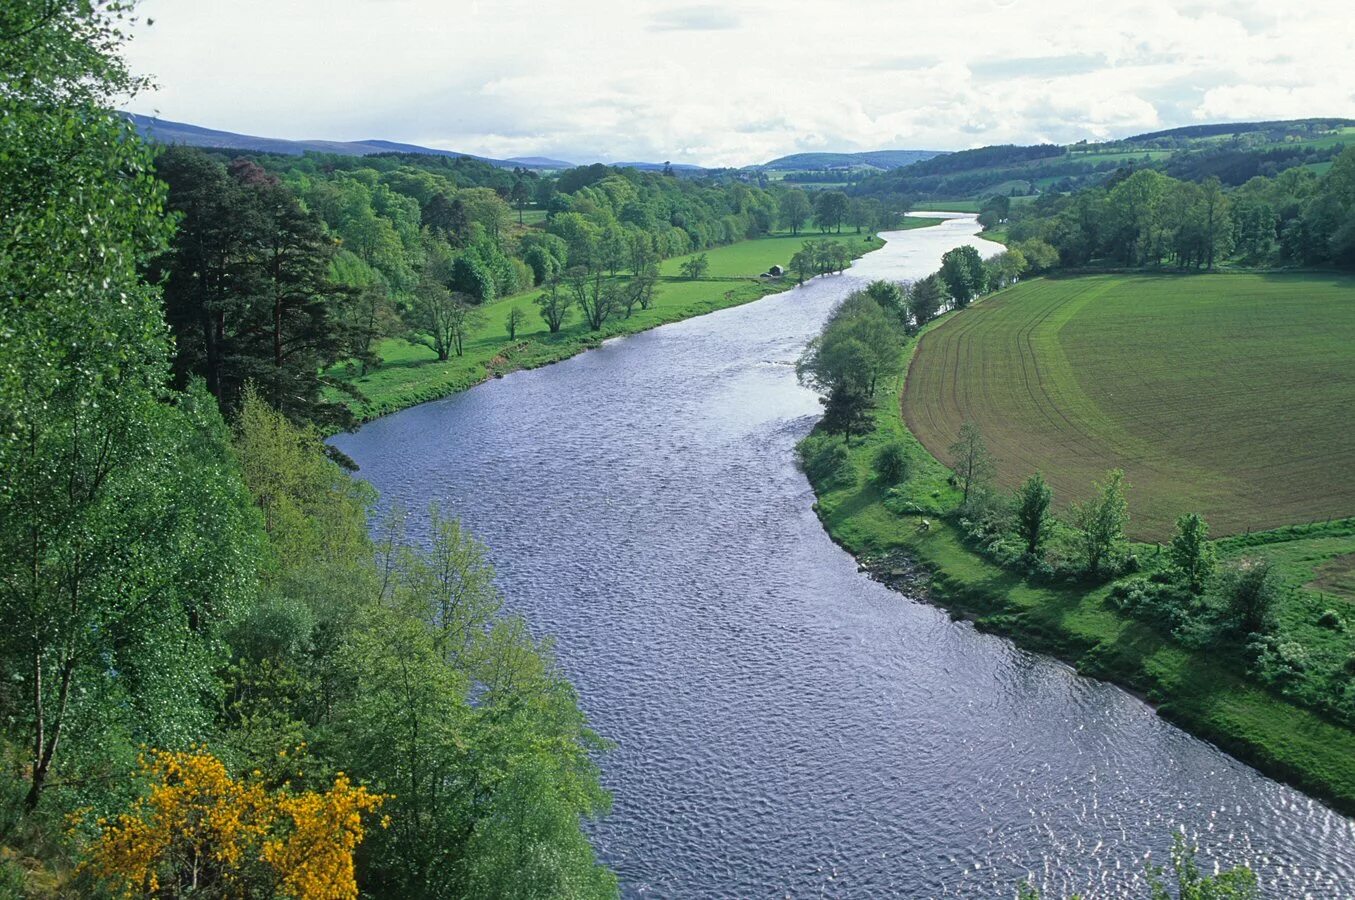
point(738, 82)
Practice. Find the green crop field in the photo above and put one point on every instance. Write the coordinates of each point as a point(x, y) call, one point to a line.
point(1226, 394)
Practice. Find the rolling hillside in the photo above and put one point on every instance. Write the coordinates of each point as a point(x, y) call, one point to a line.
point(1234, 153)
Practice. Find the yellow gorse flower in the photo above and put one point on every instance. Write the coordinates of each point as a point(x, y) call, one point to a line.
point(199, 826)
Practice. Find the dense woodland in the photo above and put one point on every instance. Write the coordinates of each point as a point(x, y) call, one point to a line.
point(1145, 217)
point(213, 680)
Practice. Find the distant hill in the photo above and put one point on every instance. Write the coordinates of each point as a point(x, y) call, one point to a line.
point(654, 167)
point(165, 132)
point(540, 162)
point(878, 159)
point(1290, 127)
point(1232, 152)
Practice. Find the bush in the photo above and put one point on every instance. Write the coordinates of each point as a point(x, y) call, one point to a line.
point(826, 462)
point(1331, 619)
point(1280, 662)
point(891, 463)
point(1166, 605)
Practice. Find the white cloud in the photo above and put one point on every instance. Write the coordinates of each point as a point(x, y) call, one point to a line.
point(736, 83)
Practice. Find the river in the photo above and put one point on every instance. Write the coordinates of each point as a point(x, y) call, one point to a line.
point(786, 726)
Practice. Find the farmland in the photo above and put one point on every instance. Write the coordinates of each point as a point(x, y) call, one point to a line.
point(1226, 395)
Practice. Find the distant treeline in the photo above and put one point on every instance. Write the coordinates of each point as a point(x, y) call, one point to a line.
point(1147, 218)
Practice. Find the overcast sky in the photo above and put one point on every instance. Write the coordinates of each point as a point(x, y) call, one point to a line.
point(738, 82)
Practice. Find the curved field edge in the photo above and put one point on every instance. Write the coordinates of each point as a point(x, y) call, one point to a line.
point(411, 374)
point(1279, 738)
point(1223, 394)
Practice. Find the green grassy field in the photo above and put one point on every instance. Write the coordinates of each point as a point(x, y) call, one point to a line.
point(1207, 693)
point(748, 259)
point(411, 373)
point(959, 206)
point(1227, 395)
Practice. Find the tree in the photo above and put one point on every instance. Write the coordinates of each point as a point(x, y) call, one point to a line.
point(848, 410)
point(891, 463)
point(248, 291)
point(1039, 254)
point(925, 297)
point(613, 248)
point(640, 289)
point(1250, 592)
point(696, 267)
point(371, 317)
point(804, 263)
point(471, 277)
point(857, 214)
point(596, 297)
point(890, 296)
point(554, 304)
point(521, 195)
point(1032, 512)
point(1217, 223)
point(962, 272)
point(971, 461)
point(123, 544)
point(441, 319)
point(794, 210)
point(1191, 554)
point(516, 317)
point(1101, 521)
point(830, 208)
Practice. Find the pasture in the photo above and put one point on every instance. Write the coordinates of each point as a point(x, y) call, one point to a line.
point(1225, 394)
point(748, 259)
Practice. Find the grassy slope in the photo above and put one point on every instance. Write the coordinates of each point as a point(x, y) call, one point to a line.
point(411, 374)
point(1198, 692)
point(1226, 395)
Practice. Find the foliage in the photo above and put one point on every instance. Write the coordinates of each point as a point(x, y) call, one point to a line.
point(200, 832)
point(826, 462)
point(248, 292)
point(696, 267)
point(972, 462)
point(962, 272)
point(891, 463)
point(1250, 591)
point(1101, 521)
point(1032, 512)
point(1191, 553)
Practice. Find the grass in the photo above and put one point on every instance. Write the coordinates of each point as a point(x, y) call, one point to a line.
point(957, 206)
point(1202, 692)
point(411, 374)
point(1227, 395)
point(1335, 575)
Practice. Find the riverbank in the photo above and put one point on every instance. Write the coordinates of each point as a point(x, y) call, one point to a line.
point(411, 374)
point(1190, 688)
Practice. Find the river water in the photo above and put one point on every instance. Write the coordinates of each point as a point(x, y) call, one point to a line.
point(784, 725)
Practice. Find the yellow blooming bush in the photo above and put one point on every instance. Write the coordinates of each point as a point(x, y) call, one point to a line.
point(200, 831)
